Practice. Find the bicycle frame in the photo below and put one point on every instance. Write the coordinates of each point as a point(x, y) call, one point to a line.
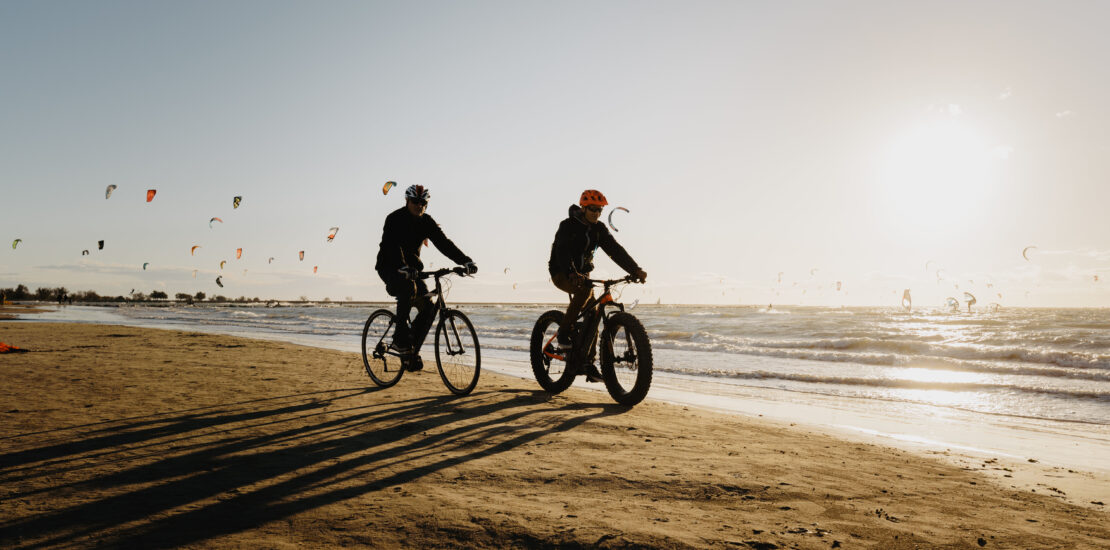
point(593, 312)
point(438, 306)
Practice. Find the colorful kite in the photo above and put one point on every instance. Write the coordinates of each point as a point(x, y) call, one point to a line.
point(193, 252)
point(108, 191)
point(150, 194)
point(235, 202)
point(331, 233)
point(388, 185)
point(214, 220)
point(238, 253)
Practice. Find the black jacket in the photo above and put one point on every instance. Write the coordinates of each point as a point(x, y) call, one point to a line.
point(577, 240)
point(402, 237)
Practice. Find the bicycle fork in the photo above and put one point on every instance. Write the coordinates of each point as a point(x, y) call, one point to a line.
point(457, 347)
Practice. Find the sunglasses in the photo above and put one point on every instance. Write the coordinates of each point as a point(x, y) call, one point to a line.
point(595, 209)
point(419, 203)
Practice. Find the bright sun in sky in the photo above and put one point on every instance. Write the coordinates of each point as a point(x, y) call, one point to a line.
point(938, 171)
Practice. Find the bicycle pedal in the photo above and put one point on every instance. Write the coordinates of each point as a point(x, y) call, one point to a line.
point(413, 364)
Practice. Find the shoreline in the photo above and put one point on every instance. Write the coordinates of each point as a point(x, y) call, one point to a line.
point(137, 436)
point(1027, 454)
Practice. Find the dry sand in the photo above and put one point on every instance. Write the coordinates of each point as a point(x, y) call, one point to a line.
point(147, 438)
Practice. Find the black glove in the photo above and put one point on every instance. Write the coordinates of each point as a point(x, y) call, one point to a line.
point(408, 273)
point(471, 268)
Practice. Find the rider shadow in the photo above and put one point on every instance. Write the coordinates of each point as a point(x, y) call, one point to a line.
point(250, 468)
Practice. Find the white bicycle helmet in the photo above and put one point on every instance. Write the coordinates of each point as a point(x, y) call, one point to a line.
point(417, 193)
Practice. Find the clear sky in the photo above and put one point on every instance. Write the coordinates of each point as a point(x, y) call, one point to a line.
point(847, 142)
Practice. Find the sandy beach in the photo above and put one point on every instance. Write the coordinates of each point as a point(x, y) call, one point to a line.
point(150, 438)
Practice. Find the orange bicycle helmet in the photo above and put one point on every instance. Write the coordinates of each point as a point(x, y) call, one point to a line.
point(592, 197)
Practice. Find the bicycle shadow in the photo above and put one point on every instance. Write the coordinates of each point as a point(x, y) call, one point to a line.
point(180, 479)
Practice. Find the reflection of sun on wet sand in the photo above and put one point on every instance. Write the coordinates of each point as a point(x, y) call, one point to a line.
point(139, 438)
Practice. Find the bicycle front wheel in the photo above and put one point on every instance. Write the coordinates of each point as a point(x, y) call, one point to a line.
point(383, 366)
point(626, 360)
point(458, 355)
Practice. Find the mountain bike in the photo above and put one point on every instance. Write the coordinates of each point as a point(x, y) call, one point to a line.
point(626, 361)
point(458, 354)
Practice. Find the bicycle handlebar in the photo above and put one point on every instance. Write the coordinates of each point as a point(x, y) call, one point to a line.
point(441, 272)
point(611, 282)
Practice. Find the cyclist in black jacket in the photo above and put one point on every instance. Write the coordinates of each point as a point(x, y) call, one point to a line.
point(406, 230)
point(572, 257)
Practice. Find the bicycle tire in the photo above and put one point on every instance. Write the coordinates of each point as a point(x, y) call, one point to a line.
point(541, 363)
point(384, 369)
point(452, 333)
point(629, 382)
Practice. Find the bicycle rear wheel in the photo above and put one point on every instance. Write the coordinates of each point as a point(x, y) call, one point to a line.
point(549, 362)
point(383, 366)
point(458, 354)
point(626, 360)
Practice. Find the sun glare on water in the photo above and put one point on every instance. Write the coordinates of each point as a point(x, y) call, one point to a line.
point(938, 171)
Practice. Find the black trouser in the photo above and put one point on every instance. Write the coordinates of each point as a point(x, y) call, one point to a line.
point(580, 293)
point(408, 293)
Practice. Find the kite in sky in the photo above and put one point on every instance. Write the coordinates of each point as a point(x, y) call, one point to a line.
point(235, 202)
point(100, 245)
point(193, 252)
point(331, 233)
point(150, 194)
point(219, 280)
point(108, 191)
point(15, 243)
point(1025, 252)
point(301, 254)
point(214, 220)
point(613, 211)
point(238, 253)
point(388, 185)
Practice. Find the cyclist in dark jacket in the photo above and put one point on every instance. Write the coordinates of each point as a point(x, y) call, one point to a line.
point(572, 257)
point(406, 230)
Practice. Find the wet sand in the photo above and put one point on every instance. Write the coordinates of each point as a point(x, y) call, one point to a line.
point(150, 438)
point(13, 311)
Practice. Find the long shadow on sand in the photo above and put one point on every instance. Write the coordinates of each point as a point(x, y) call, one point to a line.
point(181, 479)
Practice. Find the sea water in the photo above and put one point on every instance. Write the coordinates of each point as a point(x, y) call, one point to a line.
point(1050, 364)
point(1029, 387)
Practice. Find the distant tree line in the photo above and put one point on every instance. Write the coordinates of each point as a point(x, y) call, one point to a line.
point(62, 295)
